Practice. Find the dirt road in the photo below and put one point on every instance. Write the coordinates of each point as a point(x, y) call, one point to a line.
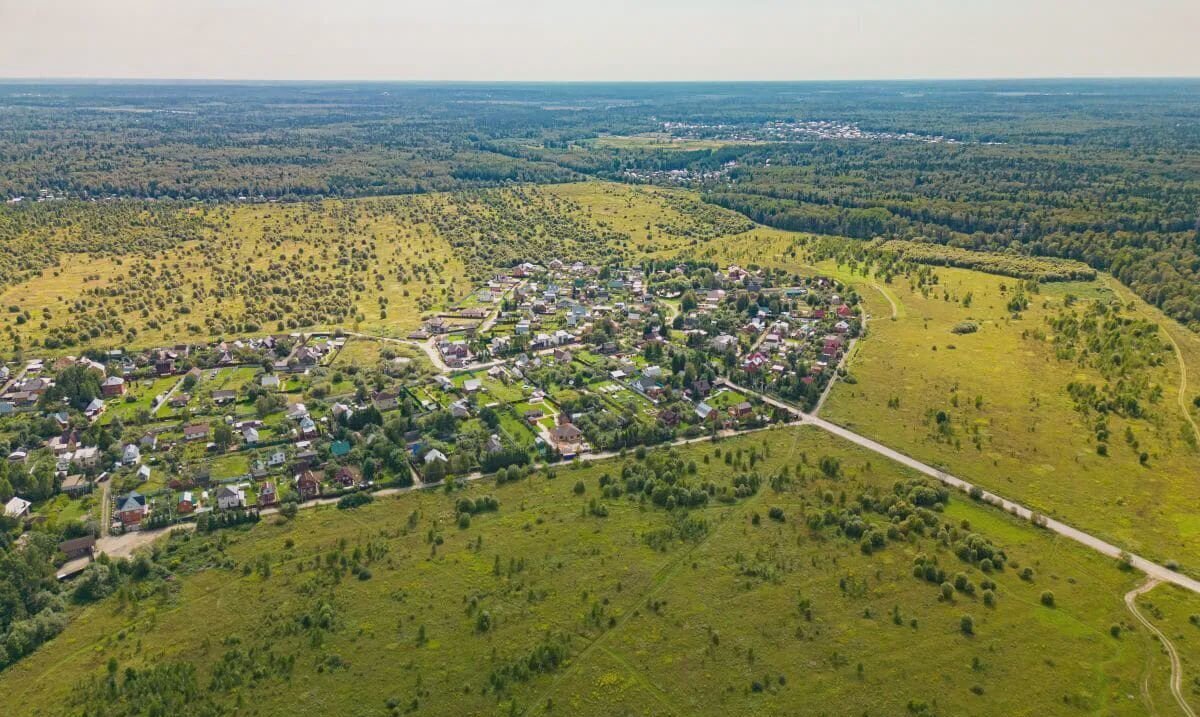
point(1176, 668)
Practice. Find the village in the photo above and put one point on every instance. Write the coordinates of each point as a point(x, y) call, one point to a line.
point(544, 364)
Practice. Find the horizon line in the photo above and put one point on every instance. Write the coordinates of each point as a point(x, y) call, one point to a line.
point(59, 79)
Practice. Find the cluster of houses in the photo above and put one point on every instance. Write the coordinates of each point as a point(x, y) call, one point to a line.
point(525, 320)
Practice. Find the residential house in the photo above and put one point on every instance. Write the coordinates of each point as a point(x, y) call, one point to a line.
point(224, 396)
point(76, 485)
point(308, 485)
point(186, 503)
point(566, 434)
point(230, 497)
point(306, 458)
point(78, 547)
point(17, 507)
point(86, 457)
point(347, 476)
point(112, 387)
point(132, 508)
point(755, 362)
point(131, 455)
point(250, 435)
point(195, 432)
point(648, 386)
point(308, 427)
point(268, 495)
point(385, 400)
point(493, 444)
point(741, 410)
point(435, 455)
point(94, 409)
point(164, 365)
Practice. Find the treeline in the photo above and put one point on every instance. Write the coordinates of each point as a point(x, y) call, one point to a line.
point(1131, 214)
point(1021, 267)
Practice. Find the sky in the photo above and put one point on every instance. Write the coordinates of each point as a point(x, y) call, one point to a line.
point(614, 40)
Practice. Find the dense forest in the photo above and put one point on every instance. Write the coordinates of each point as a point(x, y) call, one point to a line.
point(1102, 172)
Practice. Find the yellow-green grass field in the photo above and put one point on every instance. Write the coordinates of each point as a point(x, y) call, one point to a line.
point(748, 616)
point(1033, 445)
point(375, 265)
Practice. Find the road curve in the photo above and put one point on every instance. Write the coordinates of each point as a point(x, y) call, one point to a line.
point(1154, 570)
point(1176, 668)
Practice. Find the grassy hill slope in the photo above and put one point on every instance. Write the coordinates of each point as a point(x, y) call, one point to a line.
point(731, 608)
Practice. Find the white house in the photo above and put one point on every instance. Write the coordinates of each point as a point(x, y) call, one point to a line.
point(17, 507)
point(435, 455)
point(131, 455)
point(229, 498)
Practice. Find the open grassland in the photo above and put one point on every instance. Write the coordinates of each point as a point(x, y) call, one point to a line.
point(372, 265)
point(547, 606)
point(1175, 612)
point(1008, 419)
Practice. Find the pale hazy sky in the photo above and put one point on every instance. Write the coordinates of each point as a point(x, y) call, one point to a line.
point(598, 39)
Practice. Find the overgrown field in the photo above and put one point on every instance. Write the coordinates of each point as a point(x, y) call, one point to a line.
point(1071, 411)
point(107, 275)
point(796, 594)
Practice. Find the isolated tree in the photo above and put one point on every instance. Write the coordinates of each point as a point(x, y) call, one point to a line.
point(223, 436)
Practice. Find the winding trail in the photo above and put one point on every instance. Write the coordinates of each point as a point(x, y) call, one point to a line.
point(1163, 322)
point(1176, 668)
point(890, 300)
point(1183, 402)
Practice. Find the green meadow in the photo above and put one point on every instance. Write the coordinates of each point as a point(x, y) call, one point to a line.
point(551, 605)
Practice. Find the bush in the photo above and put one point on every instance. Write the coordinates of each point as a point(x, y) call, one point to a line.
point(354, 500)
point(1048, 599)
point(776, 514)
point(967, 625)
point(579, 487)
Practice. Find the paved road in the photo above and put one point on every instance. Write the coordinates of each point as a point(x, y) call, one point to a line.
point(1176, 668)
point(1152, 569)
